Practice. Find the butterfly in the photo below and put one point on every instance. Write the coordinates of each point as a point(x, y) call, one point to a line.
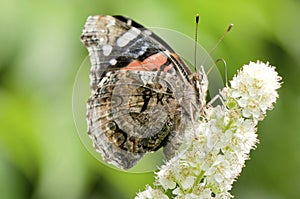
point(143, 95)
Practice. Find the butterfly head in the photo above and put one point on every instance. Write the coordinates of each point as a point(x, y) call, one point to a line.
point(200, 82)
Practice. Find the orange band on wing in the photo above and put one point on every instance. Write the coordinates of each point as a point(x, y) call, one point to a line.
point(154, 62)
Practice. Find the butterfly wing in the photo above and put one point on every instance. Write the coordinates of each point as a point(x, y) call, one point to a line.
point(138, 85)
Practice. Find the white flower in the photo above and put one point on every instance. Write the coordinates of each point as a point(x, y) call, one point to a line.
point(150, 193)
point(245, 136)
point(255, 89)
point(165, 177)
point(220, 142)
point(188, 182)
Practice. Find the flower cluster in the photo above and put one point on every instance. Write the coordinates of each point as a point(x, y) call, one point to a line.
point(254, 89)
point(220, 142)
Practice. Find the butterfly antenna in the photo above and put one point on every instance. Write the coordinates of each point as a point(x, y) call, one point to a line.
point(196, 41)
point(225, 70)
point(221, 38)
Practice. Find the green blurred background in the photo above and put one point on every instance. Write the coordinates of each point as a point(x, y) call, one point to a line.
point(41, 155)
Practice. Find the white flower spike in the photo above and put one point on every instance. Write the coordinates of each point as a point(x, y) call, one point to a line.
point(221, 140)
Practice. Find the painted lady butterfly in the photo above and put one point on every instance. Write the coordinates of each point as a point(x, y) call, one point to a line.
point(143, 96)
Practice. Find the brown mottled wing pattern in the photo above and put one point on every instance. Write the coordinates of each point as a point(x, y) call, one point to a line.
point(142, 98)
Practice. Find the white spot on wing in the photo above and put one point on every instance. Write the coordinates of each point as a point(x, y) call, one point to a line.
point(101, 40)
point(106, 49)
point(128, 36)
point(143, 49)
point(113, 62)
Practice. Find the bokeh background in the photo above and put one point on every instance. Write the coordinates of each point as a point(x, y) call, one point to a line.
point(41, 155)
